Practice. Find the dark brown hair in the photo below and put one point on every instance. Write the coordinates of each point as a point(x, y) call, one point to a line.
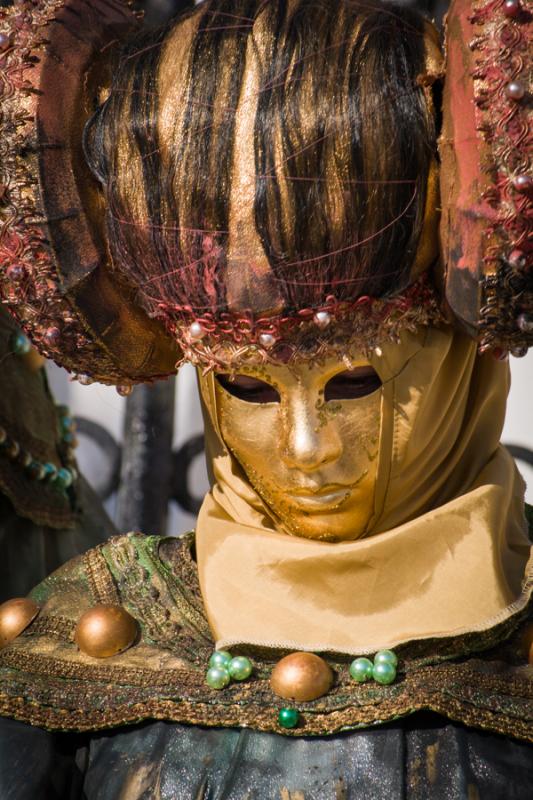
point(343, 141)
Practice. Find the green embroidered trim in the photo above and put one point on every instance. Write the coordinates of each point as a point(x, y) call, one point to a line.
point(46, 681)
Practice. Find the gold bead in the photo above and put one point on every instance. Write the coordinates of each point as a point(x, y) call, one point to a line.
point(301, 677)
point(15, 616)
point(105, 630)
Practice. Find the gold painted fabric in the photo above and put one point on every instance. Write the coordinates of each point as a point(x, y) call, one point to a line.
point(445, 553)
point(480, 679)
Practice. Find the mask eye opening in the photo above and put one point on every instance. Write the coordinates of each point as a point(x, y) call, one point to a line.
point(352, 384)
point(248, 389)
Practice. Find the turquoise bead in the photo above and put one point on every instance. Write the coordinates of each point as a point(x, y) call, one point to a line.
point(217, 678)
point(50, 471)
point(20, 344)
point(386, 657)
point(63, 478)
point(384, 672)
point(288, 717)
point(220, 658)
point(240, 668)
point(66, 424)
point(361, 669)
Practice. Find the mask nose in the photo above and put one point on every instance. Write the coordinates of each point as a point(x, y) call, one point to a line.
point(308, 442)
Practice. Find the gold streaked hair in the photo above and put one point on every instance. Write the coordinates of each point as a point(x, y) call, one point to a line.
point(264, 155)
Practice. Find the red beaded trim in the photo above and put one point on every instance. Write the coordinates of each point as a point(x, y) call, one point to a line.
point(29, 282)
point(356, 326)
point(502, 69)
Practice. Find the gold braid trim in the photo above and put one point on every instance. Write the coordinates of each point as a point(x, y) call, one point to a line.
point(57, 627)
point(251, 711)
point(45, 681)
point(102, 586)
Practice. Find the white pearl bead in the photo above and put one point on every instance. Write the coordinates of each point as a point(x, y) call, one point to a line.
point(378, 351)
point(322, 319)
point(267, 340)
point(196, 331)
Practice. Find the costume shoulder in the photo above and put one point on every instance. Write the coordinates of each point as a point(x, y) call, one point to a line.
point(48, 681)
point(481, 679)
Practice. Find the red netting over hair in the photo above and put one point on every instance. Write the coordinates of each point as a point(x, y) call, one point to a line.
point(266, 171)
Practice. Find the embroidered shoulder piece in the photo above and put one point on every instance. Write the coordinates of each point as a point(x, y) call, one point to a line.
point(481, 679)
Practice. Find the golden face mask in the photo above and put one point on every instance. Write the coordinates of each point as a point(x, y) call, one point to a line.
point(440, 503)
point(307, 439)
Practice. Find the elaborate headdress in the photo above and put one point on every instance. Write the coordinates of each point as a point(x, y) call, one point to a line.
point(234, 192)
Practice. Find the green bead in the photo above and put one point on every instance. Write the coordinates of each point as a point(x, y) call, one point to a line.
point(384, 672)
point(240, 668)
point(217, 678)
point(63, 478)
point(288, 717)
point(220, 658)
point(50, 471)
point(361, 669)
point(62, 411)
point(386, 657)
point(20, 344)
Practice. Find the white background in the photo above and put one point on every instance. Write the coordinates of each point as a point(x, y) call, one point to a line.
point(103, 405)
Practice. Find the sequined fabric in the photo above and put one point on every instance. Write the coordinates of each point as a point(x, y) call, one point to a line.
point(416, 759)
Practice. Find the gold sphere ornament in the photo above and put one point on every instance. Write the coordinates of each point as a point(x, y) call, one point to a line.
point(15, 616)
point(301, 677)
point(105, 630)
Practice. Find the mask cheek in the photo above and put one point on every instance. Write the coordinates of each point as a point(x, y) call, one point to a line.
point(250, 430)
point(359, 425)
